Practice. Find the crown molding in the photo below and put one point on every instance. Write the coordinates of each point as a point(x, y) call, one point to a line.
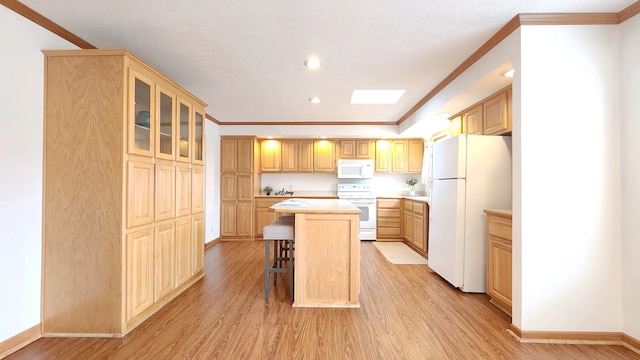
point(527, 19)
point(506, 30)
point(37, 18)
point(298, 123)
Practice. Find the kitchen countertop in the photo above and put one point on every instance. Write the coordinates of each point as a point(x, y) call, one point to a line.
point(422, 198)
point(302, 194)
point(506, 213)
point(316, 206)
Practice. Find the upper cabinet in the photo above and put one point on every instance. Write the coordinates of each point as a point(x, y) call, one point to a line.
point(142, 118)
point(491, 116)
point(306, 155)
point(324, 156)
point(356, 149)
point(496, 120)
point(198, 137)
point(399, 155)
point(270, 156)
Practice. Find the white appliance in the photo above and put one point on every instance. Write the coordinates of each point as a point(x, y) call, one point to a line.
point(470, 173)
point(362, 196)
point(355, 169)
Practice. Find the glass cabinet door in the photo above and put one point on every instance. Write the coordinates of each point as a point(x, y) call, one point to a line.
point(184, 116)
point(141, 116)
point(166, 112)
point(198, 138)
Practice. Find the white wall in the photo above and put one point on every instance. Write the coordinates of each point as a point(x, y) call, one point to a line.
point(630, 116)
point(21, 103)
point(570, 179)
point(212, 182)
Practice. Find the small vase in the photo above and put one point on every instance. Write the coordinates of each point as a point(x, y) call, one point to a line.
point(412, 192)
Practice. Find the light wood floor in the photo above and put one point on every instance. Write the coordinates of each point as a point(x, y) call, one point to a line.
point(407, 312)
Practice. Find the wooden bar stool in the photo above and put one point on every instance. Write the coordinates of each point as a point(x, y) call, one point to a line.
point(282, 233)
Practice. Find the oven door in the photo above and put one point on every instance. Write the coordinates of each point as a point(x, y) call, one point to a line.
point(367, 217)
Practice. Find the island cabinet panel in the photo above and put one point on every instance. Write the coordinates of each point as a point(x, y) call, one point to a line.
point(499, 258)
point(112, 188)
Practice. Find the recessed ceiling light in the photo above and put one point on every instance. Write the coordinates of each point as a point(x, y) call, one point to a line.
point(508, 73)
point(313, 62)
point(376, 96)
point(314, 100)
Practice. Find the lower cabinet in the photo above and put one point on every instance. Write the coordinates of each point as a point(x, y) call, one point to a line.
point(499, 260)
point(264, 215)
point(416, 224)
point(389, 218)
point(164, 259)
point(139, 272)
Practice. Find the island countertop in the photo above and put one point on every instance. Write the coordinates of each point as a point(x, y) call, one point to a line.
point(316, 206)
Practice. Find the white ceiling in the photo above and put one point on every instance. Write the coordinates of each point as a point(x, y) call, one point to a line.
point(245, 58)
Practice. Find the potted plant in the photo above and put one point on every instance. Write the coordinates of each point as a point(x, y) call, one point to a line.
point(267, 189)
point(412, 182)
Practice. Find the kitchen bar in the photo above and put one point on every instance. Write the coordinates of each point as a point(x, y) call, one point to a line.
point(327, 252)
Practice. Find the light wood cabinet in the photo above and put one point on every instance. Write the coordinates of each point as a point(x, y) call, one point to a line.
point(238, 184)
point(114, 181)
point(472, 121)
point(499, 258)
point(289, 156)
point(270, 157)
point(416, 224)
point(164, 253)
point(415, 148)
point(183, 250)
point(264, 215)
point(389, 218)
point(305, 155)
point(491, 116)
point(140, 272)
point(399, 155)
point(324, 156)
point(495, 115)
point(356, 149)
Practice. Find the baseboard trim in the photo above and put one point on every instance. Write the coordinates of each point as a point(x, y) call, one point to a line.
point(211, 243)
point(19, 341)
point(576, 337)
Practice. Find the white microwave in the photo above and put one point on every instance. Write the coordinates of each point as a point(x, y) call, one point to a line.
point(355, 169)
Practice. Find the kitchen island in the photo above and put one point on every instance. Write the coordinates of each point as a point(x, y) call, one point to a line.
point(327, 252)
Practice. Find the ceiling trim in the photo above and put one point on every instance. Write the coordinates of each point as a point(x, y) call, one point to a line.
point(631, 11)
point(569, 19)
point(305, 123)
point(527, 19)
point(518, 20)
point(215, 121)
point(37, 18)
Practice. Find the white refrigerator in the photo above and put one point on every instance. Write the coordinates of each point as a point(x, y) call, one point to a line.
point(470, 173)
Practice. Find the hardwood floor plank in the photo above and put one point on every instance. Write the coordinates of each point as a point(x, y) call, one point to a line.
point(407, 312)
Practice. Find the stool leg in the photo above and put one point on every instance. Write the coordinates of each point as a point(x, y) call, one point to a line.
point(276, 262)
point(291, 267)
point(267, 265)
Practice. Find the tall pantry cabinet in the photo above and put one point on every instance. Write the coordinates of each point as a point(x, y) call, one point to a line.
point(239, 169)
point(123, 212)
